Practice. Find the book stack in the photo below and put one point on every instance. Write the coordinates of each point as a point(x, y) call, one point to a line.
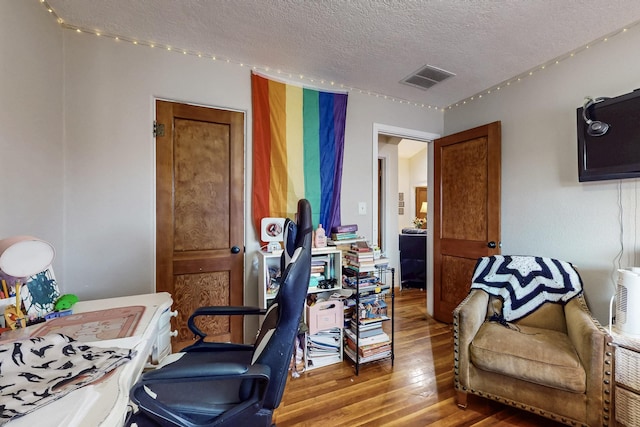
point(344, 232)
point(369, 340)
point(323, 348)
point(360, 257)
point(320, 269)
point(352, 278)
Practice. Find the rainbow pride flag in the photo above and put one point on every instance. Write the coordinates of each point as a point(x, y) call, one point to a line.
point(298, 145)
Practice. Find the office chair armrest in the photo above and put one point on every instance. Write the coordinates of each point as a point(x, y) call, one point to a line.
point(220, 311)
point(145, 398)
point(204, 371)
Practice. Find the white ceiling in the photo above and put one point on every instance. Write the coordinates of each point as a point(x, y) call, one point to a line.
point(365, 45)
point(408, 148)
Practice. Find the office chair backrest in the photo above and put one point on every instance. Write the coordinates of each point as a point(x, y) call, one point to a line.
point(290, 232)
point(276, 338)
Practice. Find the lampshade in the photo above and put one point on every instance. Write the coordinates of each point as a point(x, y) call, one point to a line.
point(423, 208)
point(24, 256)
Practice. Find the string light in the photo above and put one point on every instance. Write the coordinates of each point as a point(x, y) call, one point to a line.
point(518, 78)
point(227, 60)
point(543, 67)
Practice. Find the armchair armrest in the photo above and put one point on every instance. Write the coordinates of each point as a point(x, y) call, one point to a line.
point(219, 311)
point(468, 316)
point(593, 345)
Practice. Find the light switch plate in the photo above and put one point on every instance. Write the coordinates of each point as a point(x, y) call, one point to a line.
point(362, 208)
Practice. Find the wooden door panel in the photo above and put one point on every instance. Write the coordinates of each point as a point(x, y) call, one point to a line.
point(201, 185)
point(456, 272)
point(464, 195)
point(200, 214)
point(202, 289)
point(467, 211)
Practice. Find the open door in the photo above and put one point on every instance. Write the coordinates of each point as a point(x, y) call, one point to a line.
point(466, 211)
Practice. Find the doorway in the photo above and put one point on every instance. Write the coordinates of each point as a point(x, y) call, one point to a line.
point(387, 222)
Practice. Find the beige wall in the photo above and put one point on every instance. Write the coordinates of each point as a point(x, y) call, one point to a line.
point(87, 102)
point(31, 125)
point(545, 210)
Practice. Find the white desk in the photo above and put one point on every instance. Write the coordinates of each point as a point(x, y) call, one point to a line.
point(105, 403)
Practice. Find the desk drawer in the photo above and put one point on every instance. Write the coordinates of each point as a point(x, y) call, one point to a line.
point(162, 346)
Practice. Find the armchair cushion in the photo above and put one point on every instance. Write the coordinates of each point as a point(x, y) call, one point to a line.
point(541, 356)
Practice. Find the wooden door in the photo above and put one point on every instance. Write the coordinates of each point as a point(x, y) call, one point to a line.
point(200, 214)
point(466, 212)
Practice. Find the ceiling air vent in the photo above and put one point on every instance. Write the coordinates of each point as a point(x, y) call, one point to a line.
point(426, 77)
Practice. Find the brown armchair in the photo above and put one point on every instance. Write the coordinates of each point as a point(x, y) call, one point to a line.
point(555, 361)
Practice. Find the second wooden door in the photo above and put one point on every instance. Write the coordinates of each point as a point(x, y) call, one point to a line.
point(466, 222)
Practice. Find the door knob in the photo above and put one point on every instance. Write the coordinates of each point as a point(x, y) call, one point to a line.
point(235, 249)
point(492, 244)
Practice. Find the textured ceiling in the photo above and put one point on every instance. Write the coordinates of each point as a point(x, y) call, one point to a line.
point(366, 45)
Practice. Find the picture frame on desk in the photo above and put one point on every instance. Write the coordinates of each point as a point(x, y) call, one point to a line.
point(40, 294)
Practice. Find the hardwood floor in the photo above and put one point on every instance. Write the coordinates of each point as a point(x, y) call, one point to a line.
point(416, 391)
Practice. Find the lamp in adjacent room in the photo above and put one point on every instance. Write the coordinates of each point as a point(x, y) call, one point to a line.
point(423, 208)
point(20, 258)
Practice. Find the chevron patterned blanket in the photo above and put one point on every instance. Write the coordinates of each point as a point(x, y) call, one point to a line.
point(524, 283)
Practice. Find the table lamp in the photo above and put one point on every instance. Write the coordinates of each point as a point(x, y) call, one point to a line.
point(20, 258)
point(423, 208)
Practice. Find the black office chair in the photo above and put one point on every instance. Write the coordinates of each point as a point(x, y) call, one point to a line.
point(236, 351)
point(201, 390)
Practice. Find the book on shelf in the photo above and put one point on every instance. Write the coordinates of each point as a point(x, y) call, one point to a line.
point(343, 236)
point(353, 272)
point(365, 331)
point(384, 349)
point(361, 246)
point(348, 228)
point(379, 338)
point(319, 269)
point(365, 321)
point(371, 358)
point(318, 362)
point(319, 352)
point(325, 341)
point(381, 262)
point(360, 254)
point(367, 327)
point(361, 265)
point(357, 259)
point(362, 268)
point(352, 282)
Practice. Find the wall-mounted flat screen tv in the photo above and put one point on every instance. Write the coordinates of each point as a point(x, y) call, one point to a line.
point(616, 154)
